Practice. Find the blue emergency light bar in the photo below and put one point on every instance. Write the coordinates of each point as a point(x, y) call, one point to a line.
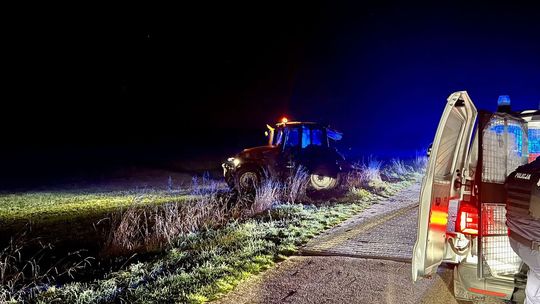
point(504, 100)
point(503, 104)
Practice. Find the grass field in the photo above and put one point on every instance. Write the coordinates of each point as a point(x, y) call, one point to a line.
point(50, 207)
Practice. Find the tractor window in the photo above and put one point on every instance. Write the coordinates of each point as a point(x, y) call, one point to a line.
point(306, 134)
point(317, 137)
point(312, 137)
point(293, 137)
point(278, 138)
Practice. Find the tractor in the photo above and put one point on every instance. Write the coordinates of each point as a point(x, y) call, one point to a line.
point(290, 145)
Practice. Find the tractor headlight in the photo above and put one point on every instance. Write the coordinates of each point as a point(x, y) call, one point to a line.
point(234, 160)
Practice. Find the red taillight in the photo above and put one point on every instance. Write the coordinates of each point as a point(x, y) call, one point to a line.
point(467, 221)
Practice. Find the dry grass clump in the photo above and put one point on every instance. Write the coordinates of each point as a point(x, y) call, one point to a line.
point(266, 195)
point(399, 170)
point(272, 192)
point(372, 178)
point(365, 174)
point(399, 167)
point(371, 171)
point(143, 228)
point(420, 163)
point(24, 274)
point(365, 180)
point(295, 186)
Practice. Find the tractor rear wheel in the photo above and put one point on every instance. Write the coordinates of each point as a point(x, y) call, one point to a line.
point(322, 182)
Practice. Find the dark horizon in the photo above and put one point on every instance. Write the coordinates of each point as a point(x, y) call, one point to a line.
point(104, 87)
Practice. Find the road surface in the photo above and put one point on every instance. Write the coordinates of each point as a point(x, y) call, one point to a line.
point(366, 259)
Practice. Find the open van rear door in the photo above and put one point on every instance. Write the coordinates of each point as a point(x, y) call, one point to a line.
point(442, 182)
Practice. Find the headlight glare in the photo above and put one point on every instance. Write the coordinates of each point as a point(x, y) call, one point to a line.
point(234, 160)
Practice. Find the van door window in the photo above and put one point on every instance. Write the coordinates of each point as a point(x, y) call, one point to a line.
point(534, 143)
point(503, 148)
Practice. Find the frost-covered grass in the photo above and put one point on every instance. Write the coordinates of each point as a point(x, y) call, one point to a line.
point(202, 266)
point(374, 178)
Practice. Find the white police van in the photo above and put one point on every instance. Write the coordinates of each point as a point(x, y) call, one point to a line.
point(462, 202)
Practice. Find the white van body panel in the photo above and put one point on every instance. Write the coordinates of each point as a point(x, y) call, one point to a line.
point(446, 165)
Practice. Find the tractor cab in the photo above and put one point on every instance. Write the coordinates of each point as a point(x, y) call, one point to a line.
point(462, 211)
point(303, 135)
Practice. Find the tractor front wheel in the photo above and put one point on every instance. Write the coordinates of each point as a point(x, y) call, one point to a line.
point(247, 179)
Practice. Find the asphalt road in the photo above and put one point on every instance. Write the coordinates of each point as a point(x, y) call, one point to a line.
point(335, 279)
point(364, 260)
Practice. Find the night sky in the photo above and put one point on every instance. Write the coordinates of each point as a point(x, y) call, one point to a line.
point(129, 85)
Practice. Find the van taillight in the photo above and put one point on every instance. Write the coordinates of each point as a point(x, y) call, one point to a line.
point(467, 221)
